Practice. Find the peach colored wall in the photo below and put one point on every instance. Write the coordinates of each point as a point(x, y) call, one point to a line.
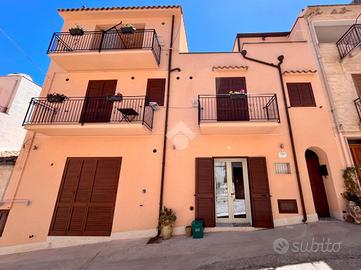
point(141, 168)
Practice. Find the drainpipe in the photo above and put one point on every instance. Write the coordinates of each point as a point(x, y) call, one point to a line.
point(170, 70)
point(289, 125)
point(344, 147)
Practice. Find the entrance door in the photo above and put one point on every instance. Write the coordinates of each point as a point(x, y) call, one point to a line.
point(317, 185)
point(228, 108)
point(232, 191)
point(96, 107)
point(86, 199)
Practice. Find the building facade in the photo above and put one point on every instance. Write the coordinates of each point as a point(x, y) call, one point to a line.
point(15, 93)
point(241, 137)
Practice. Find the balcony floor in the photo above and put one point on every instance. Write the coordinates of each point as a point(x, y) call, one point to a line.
point(91, 129)
point(237, 127)
point(106, 60)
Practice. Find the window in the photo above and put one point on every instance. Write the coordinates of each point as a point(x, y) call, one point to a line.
point(357, 81)
point(3, 217)
point(156, 90)
point(301, 95)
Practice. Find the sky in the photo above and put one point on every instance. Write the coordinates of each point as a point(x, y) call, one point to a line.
point(26, 26)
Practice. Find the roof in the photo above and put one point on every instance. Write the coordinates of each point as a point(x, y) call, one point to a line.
point(265, 34)
point(120, 8)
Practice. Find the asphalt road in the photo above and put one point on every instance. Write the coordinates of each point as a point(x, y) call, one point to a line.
point(336, 243)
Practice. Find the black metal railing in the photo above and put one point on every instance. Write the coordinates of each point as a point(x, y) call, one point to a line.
point(82, 110)
point(357, 103)
point(147, 39)
point(349, 40)
point(249, 107)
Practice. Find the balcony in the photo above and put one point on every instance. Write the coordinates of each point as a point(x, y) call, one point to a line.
point(229, 114)
point(349, 40)
point(357, 103)
point(96, 50)
point(90, 116)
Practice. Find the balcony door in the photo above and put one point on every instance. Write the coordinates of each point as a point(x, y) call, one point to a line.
point(231, 108)
point(96, 107)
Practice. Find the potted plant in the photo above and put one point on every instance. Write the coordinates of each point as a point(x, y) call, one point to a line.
point(116, 97)
point(76, 30)
point(167, 218)
point(352, 193)
point(237, 94)
point(128, 29)
point(188, 231)
point(56, 97)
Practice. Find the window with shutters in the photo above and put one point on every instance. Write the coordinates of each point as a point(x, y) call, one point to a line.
point(156, 91)
point(357, 81)
point(301, 95)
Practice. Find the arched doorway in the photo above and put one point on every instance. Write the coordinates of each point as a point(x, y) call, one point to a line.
point(317, 185)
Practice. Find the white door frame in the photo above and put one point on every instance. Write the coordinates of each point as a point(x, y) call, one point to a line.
point(231, 218)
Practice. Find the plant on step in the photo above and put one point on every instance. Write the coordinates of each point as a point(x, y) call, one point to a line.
point(76, 30)
point(56, 97)
point(352, 187)
point(167, 217)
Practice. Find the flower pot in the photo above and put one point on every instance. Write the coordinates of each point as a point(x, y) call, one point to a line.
point(127, 30)
point(115, 98)
point(76, 31)
point(237, 96)
point(188, 231)
point(166, 232)
point(55, 99)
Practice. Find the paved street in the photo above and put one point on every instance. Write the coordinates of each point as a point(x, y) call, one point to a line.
point(334, 243)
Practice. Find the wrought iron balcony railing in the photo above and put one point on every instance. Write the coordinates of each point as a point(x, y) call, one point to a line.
point(75, 110)
point(238, 107)
point(145, 39)
point(357, 103)
point(349, 40)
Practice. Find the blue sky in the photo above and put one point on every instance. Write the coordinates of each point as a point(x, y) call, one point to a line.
point(26, 26)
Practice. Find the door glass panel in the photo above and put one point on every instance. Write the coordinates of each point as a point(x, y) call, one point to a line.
point(238, 192)
point(221, 190)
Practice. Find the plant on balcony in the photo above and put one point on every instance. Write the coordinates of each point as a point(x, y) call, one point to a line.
point(128, 29)
point(352, 193)
point(56, 97)
point(116, 97)
point(77, 30)
point(237, 94)
point(167, 218)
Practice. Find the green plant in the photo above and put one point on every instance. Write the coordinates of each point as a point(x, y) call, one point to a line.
point(131, 26)
point(77, 26)
point(352, 188)
point(166, 217)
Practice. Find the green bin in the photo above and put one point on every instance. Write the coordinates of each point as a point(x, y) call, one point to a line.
point(197, 229)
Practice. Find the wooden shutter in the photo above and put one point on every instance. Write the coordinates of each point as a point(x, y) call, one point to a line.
point(301, 95)
point(357, 81)
point(156, 90)
point(260, 196)
point(356, 156)
point(86, 199)
point(205, 204)
point(3, 217)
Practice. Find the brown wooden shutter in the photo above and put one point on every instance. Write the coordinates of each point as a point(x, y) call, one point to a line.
point(204, 197)
point(357, 81)
point(86, 200)
point(3, 217)
point(156, 90)
point(301, 95)
point(260, 196)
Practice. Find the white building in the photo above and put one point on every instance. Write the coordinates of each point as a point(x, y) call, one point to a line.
point(15, 92)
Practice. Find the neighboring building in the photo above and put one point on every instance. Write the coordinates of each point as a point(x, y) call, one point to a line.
point(16, 90)
point(247, 142)
point(336, 34)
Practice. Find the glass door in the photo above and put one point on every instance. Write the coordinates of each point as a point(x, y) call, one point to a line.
point(232, 191)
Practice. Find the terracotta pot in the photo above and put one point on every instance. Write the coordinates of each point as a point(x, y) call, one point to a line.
point(166, 232)
point(189, 231)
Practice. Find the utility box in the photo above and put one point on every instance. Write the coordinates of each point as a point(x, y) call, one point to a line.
point(197, 229)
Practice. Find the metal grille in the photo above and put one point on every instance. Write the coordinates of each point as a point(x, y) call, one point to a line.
point(350, 40)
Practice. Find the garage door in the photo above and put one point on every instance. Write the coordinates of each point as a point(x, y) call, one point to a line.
point(86, 199)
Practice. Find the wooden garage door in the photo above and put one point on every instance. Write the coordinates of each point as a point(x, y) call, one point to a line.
point(260, 196)
point(86, 199)
point(205, 191)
